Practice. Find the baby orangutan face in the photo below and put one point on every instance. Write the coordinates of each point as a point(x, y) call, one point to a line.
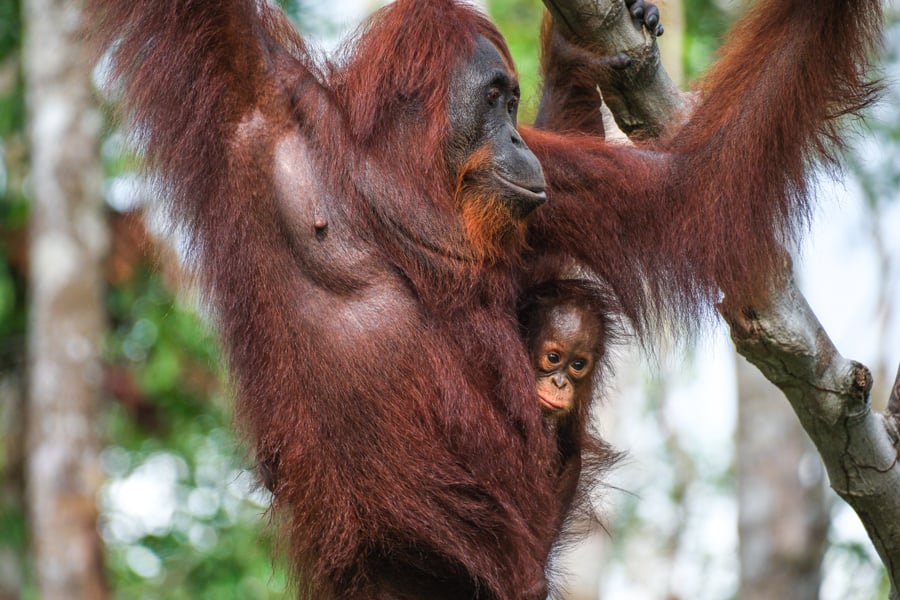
point(564, 357)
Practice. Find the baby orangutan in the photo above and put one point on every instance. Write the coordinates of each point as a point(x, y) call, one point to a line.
point(564, 357)
point(566, 329)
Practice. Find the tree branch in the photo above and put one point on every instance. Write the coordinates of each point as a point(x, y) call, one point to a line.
point(830, 395)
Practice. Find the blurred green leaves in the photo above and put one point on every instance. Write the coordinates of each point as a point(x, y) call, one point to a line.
point(171, 446)
point(520, 23)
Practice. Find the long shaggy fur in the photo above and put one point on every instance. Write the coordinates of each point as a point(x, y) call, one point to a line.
point(711, 209)
point(376, 355)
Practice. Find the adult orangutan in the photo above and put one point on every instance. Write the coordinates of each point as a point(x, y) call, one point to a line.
point(362, 230)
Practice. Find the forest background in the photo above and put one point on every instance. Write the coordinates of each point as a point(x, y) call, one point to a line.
point(720, 496)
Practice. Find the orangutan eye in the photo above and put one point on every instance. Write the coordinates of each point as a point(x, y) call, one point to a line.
point(493, 96)
point(512, 105)
point(553, 358)
point(579, 365)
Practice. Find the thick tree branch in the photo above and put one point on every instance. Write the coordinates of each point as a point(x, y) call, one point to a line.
point(830, 394)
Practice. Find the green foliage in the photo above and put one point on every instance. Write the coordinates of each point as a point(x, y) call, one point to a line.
point(10, 27)
point(207, 545)
point(12, 528)
point(175, 438)
point(12, 99)
point(12, 107)
point(705, 23)
point(170, 352)
point(13, 215)
point(7, 295)
point(520, 23)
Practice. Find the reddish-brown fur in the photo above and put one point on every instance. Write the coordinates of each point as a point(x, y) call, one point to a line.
point(375, 350)
point(489, 234)
point(570, 99)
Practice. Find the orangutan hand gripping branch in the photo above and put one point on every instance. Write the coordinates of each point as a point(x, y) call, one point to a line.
point(363, 231)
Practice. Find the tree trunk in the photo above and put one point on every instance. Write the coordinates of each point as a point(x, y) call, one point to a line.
point(68, 243)
point(782, 513)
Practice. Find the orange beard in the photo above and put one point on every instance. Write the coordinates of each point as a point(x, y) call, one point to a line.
point(487, 224)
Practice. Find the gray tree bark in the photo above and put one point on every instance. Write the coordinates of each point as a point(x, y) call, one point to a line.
point(68, 244)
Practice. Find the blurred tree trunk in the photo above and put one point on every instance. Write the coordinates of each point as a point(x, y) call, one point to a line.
point(782, 512)
point(68, 243)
